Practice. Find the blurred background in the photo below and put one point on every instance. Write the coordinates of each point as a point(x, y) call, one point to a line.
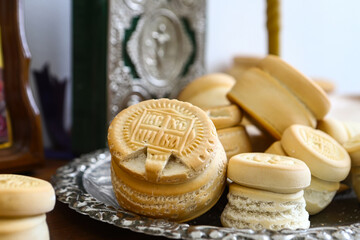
point(320, 38)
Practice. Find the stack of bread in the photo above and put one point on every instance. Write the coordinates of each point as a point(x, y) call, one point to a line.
point(166, 160)
point(24, 201)
point(266, 193)
point(209, 93)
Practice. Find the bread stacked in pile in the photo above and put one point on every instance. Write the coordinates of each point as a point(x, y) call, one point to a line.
point(167, 161)
point(24, 201)
point(182, 175)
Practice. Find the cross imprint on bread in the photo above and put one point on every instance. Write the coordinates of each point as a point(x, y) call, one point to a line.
point(319, 143)
point(163, 131)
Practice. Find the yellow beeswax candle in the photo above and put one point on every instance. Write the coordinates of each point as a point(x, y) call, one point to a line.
point(273, 26)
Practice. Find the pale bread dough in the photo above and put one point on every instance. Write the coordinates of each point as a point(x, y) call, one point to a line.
point(208, 91)
point(324, 156)
point(177, 202)
point(162, 141)
point(269, 172)
point(225, 116)
point(334, 128)
point(235, 140)
point(269, 103)
point(319, 194)
point(309, 93)
point(23, 196)
point(258, 209)
point(276, 148)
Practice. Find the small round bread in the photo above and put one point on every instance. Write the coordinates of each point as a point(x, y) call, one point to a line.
point(257, 93)
point(33, 227)
point(276, 148)
point(258, 209)
point(319, 194)
point(334, 128)
point(162, 141)
point(325, 157)
point(308, 92)
point(208, 91)
point(24, 196)
point(235, 140)
point(269, 172)
point(352, 146)
point(225, 116)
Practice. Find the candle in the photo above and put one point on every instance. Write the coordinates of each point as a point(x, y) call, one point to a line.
point(273, 26)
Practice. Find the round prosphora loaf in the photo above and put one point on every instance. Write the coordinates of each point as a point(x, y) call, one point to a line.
point(319, 194)
point(235, 140)
point(225, 116)
point(269, 172)
point(33, 227)
point(208, 91)
point(24, 196)
point(258, 209)
point(308, 92)
point(167, 161)
point(269, 103)
point(335, 128)
point(325, 157)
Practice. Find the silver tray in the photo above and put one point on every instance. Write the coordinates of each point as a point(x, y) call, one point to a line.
point(85, 185)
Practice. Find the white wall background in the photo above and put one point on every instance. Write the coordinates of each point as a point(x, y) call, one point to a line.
point(321, 38)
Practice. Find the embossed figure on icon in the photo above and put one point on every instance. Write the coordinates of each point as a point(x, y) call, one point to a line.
point(161, 38)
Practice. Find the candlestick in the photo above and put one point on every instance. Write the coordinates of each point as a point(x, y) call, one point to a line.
point(273, 26)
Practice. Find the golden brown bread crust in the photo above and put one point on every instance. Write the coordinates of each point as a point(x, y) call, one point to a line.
point(301, 86)
point(208, 91)
point(269, 103)
point(235, 140)
point(225, 116)
point(154, 139)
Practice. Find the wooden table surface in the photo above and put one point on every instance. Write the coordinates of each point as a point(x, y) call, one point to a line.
point(65, 223)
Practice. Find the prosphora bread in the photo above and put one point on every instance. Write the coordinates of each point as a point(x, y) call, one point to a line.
point(308, 92)
point(269, 172)
point(17, 228)
point(319, 194)
point(225, 116)
point(208, 91)
point(167, 161)
point(269, 102)
point(327, 85)
point(325, 157)
point(341, 131)
point(235, 140)
point(258, 209)
point(23, 196)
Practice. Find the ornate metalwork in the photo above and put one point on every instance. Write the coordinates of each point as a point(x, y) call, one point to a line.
point(85, 185)
point(155, 48)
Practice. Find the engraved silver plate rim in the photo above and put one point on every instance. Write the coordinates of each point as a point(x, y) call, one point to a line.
point(69, 189)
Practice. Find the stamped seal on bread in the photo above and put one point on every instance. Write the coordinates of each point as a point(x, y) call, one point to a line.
point(325, 157)
point(162, 141)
